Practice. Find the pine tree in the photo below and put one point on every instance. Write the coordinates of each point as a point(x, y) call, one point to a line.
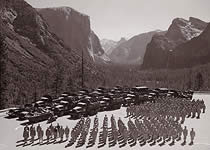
point(199, 81)
point(3, 63)
point(58, 79)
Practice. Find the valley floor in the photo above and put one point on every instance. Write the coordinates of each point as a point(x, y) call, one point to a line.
point(11, 132)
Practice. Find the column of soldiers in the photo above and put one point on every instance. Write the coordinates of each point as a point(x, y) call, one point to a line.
point(93, 133)
point(123, 131)
point(104, 133)
point(84, 133)
point(51, 133)
point(133, 132)
point(76, 131)
point(114, 132)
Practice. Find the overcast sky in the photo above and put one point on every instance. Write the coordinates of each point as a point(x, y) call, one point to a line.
point(113, 19)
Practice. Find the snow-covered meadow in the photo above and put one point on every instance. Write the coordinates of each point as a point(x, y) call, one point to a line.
point(11, 132)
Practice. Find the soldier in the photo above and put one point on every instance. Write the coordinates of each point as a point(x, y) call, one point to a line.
point(183, 116)
point(174, 135)
point(38, 128)
point(105, 118)
point(96, 119)
point(185, 133)
point(164, 136)
point(203, 106)
point(198, 110)
point(194, 110)
point(58, 129)
point(41, 136)
point(55, 132)
point(61, 133)
point(67, 132)
point(26, 127)
point(51, 128)
point(31, 128)
point(179, 130)
point(32, 133)
point(25, 135)
point(48, 134)
point(192, 135)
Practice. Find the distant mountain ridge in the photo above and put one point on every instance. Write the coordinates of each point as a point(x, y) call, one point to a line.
point(109, 45)
point(133, 50)
point(161, 47)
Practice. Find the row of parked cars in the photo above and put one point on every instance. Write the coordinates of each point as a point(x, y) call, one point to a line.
point(90, 102)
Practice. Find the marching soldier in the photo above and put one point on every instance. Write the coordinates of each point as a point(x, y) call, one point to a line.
point(58, 129)
point(38, 128)
point(67, 132)
point(55, 132)
point(42, 135)
point(61, 133)
point(25, 134)
point(185, 133)
point(32, 133)
point(51, 128)
point(48, 134)
point(192, 135)
point(203, 106)
point(198, 110)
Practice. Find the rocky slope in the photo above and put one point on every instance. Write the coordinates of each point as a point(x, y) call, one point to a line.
point(37, 58)
point(74, 28)
point(192, 53)
point(109, 45)
point(159, 50)
point(133, 50)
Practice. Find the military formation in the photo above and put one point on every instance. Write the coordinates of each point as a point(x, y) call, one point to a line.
point(156, 123)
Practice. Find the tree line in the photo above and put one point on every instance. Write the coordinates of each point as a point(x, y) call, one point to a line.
point(28, 85)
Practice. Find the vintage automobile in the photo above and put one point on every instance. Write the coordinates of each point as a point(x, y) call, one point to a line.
point(77, 112)
point(129, 99)
point(40, 103)
point(116, 103)
point(38, 117)
point(92, 108)
point(162, 92)
point(52, 119)
point(23, 115)
point(140, 89)
point(103, 105)
point(14, 112)
point(188, 94)
point(61, 110)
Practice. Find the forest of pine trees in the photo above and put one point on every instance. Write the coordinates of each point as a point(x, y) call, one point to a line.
point(57, 79)
point(196, 78)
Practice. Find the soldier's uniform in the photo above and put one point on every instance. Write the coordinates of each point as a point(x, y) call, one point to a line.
point(185, 133)
point(67, 132)
point(192, 135)
point(25, 135)
point(55, 132)
point(61, 133)
point(48, 134)
point(32, 133)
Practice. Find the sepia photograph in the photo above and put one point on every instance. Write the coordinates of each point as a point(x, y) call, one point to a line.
point(104, 74)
